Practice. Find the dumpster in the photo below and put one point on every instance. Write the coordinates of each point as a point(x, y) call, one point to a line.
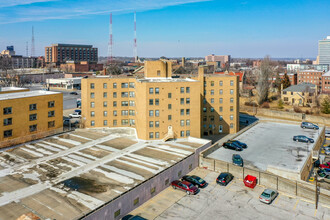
point(250, 181)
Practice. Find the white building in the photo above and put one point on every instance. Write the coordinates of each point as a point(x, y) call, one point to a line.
point(64, 83)
point(324, 51)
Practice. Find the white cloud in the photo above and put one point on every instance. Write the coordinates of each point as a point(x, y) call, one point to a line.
point(70, 9)
point(11, 3)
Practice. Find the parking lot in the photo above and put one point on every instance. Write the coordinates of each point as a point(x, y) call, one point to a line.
point(235, 201)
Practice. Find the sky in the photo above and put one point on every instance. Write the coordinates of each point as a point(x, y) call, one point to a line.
point(171, 28)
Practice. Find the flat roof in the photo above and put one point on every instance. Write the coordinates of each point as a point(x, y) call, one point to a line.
point(166, 80)
point(67, 175)
point(19, 95)
point(72, 45)
point(270, 145)
point(6, 89)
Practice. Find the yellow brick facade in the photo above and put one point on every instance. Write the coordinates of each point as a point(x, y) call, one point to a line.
point(16, 116)
point(157, 102)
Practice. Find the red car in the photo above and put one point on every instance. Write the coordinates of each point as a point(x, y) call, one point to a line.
point(324, 166)
point(185, 186)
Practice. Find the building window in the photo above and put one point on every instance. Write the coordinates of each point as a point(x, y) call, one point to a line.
point(51, 104)
point(169, 106)
point(188, 122)
point(7, 121)
point(212, 91)
point(169, 95)
point(33, 107)
point(92, 104)
point(131, 112)
point(188, 133)
point(151, 90)
point(158, 72)
point(151, 124)
point(286, 99)
point(231, 82)
point(51, 114)
point(131, 85)
point(115, 94)
point(188, 111)
point(212, 118)
point(151, 113)
point(136, 201)
point(51, 124)
point(157, 113)
point(151, 135)
point(7, 111)
point(231, 108)
point(204, 110)
point(187, 89)
point(212, 109)
point(157, 135)
point(179, 173)
point(105, 104)
point(114, 85)
point(220, 83)
point(124, 112)
point(220, 91)
point(231, 100)
point(181, 133)
point(204, 92)
point(7, 133)
point(114, 113)
point(220, 118)
point(153, 190)
point(105, 85)
point(181, 101)
point(132, 94)
point(124, 103)
point(33, 128)
point(220, 109)
point(182, 123)
point(212, 100)
point(92, 95)
point(92, 123)
point(157, 90)
point(92, 114)
point(169, 117)
point(33, 117)
point(151, 102)
point(131, 122)
point(105, 95)
point(156, 101)
point(181, 111)
point(92, 86)
point(231, 125)
point(187, 101)
point(114, 103)
point(231, 117)
point(131, 103)
point(181, 89)
point(105, 122)
point(231, 92)
point(212, 83)
point(105, 113)
point(117, 213)
point(220, 100)
point(114, 122)
point(124, 122)
point(124, 85)
point(124, 94)
point(157, 124)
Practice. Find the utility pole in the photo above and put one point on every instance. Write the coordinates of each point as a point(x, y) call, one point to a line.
point(32, 44)
point(135, 42)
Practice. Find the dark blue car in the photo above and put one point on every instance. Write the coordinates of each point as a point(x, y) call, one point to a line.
point(233, 146)
point(243, 145)
point(303, 138)
point(309, 125)
point(237, 160)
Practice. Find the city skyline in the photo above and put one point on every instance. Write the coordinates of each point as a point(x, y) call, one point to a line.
point(189, 28)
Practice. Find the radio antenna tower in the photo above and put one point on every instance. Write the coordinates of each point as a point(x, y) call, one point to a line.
point(27, 48)
point(135, 43)
point(110, 43)
point(32, 43)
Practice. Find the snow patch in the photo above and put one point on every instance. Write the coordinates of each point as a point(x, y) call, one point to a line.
point(115, 176)
point(68, 141)
point(124, 172)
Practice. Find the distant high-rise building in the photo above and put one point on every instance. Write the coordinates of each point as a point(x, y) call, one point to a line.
point(10, 48)
point(60, 53)
point(324, 51)
point(223, 59)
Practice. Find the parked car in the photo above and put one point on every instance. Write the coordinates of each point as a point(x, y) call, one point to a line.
point(233, 146)
point(327, 133)
point(303, 138)
point(325, 165)
point(196, 180)
point(241, 144)
point(309, 125)
point(73, 93)
point(224, 178)
point(133, 217)
point(327, 151)
point(78, 110)
point(268, 195)
point(75, 115)
point(67, 122)
point(186, 186)
point(322, 172)
point(237, 160)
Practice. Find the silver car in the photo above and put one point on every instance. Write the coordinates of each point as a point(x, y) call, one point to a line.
point(268, 195)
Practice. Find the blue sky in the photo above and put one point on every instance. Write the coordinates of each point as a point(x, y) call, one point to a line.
point(172, 28)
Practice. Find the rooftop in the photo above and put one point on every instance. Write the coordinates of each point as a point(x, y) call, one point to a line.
point(72, 45)
point(8, 96)
point(6, 89)
point(65, 176)
point(271, 148)
point(326, 74)
point(302, 87)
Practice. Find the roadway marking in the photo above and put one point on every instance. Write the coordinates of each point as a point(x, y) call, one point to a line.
point(326, 206)
point(278, 198)
point(315, 212)
point(295, 206)
point(309, 201)
point(230, 184)
point(288, 195)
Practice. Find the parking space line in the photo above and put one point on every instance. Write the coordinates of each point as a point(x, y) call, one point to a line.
point(309, 201)
point(295, 206)
point(288, 195)
point(315, 212)
point(326, 206)
point(231, 183)
point(278, 198)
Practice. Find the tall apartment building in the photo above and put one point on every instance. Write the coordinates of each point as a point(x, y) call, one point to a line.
point(60, 53)
point(161, 107)
point(28, 115)
point(324, 51)
point(223, 59)
point(326, 83)
point(311, 76)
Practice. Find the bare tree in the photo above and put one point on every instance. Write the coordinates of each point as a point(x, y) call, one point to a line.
point(265, 73)
point(114, 69)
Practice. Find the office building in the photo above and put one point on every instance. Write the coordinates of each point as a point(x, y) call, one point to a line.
point(293, 68)
point(311, 76)
point(223, 60)
point(162, 107)
point(28, 115)
point(324, 51)
point(326, 83)
point(60, 53)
